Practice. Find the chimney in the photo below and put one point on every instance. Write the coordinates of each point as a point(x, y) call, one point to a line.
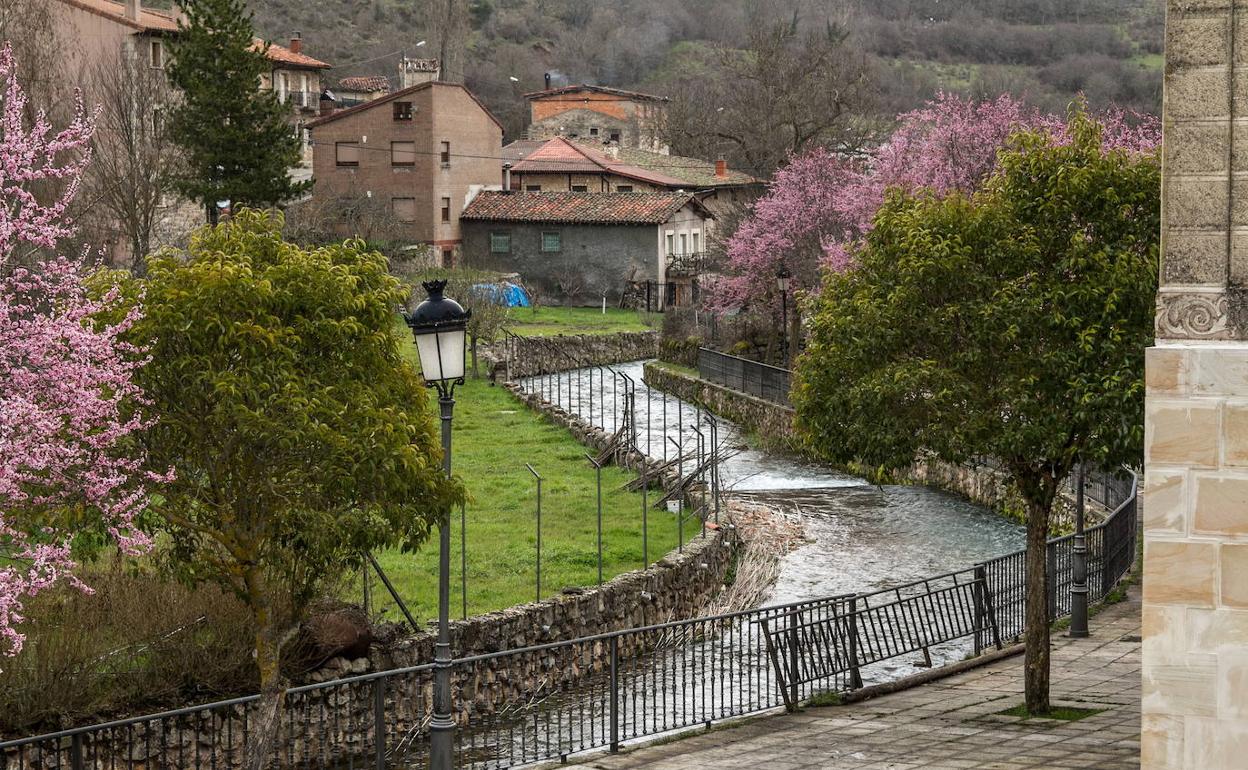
point(721, 168)
point(507, 177)
point(296, 44)
point(327, 104)
point(133, 7)
point(547, 81)
point(416, 71)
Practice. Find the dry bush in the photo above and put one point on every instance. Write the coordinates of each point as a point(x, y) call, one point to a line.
point(138, 643)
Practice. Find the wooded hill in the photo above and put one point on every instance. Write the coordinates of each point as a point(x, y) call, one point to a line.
point(1044, 50)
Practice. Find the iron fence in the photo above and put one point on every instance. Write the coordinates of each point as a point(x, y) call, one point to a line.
point(770, 383)
point(546, 702)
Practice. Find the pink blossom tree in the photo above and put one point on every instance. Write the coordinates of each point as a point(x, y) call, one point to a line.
point(819, 204)
point(68, 402)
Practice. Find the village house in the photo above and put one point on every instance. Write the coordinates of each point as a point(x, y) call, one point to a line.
point(582, 247)
point(359, 89)
point(420, 153)
point(96, 30)
point(295, 78)
point(597, 113)
point(563, 165)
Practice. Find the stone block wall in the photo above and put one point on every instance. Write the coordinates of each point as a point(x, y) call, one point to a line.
point(518, 357)
point(1195, 612)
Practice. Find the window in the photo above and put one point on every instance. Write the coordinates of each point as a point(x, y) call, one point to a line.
point(696, 250)
point(552, 241)
point(448, 258)
point(500, 243)
point(624, 188)
point(283, 87)
point(347, 153)
point(593, 131)
point(303, 90)
point(533, 188)
point(684, 243)
point(580, 188)
point(404, 209)
point(402, 153)
point(156, 54)
point(402, 110)
point(446, 154)
point(446, 209)
point(671, 243)
point(615, 136)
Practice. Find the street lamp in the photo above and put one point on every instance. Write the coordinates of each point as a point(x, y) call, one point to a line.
point(1079, 565)
point(783, 280)
point(439, 325)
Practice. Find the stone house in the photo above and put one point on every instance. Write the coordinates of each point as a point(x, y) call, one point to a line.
point(420, 153)
point(597, 113)
point(95, 30)
point(578, 247)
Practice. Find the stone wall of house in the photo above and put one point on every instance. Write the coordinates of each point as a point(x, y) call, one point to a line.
point(773, 424)
point(531, 356)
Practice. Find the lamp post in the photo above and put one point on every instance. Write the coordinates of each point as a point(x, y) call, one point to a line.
point(1079, 566)
point(783, 280)
point(439, 325)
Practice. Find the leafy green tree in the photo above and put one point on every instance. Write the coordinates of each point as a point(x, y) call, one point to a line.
point(239, 146)
point(300, 437)
point(1011, 324)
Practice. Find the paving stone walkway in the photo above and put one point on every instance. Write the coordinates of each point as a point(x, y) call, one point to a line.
point(951, 723)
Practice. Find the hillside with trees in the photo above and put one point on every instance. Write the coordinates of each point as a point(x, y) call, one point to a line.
point(1044, 51)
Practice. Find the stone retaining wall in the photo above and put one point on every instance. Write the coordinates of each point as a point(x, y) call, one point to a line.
point(773, 424)
point(530, 356)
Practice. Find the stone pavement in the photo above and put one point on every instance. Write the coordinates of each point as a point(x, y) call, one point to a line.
point(947, 724)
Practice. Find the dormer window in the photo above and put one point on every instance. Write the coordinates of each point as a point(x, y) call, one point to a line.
point(402, 110)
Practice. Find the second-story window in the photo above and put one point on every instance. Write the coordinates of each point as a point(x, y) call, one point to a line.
point(446, 209)
point(402, 111)
point(552, 241)
point(580, 188)
point(533, 188)
point(347, 153)
point(156, 54)
point(624, 188)
point(446, 153)
point(696, 250)
point(402, 153)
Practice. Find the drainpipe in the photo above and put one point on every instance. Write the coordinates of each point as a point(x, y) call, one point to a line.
point(506, 177)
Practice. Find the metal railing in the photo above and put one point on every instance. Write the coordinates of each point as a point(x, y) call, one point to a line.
point(546, 702)
point(770, 383)
point(692, 263)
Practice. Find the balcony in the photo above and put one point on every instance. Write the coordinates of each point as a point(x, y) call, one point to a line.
point(304, 100)
point(692, 263)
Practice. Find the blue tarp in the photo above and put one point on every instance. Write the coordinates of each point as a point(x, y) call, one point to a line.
point(505, 293)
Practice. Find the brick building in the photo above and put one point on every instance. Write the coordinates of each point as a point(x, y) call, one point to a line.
point(596, 113)
point(420, 153)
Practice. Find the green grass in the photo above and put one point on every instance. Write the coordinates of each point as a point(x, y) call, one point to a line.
point(1060, 713)
point(548, 321)
point(494, 435)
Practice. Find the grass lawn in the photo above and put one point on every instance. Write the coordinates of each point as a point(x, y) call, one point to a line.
point(547, 321)
point(494, 435)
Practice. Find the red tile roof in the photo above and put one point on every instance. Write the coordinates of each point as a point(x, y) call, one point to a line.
point(368, 84)
point(283, 55)
point(578, 208)
point(598, 90)
point(561, 156)
point(150, 19)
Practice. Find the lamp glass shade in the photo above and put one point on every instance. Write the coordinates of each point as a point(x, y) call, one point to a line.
point(441, 354)
point(782, 279)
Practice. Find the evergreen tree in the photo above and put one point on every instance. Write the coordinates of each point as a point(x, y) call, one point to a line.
point(238, 144)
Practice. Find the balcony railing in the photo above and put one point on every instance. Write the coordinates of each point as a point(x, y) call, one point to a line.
point(309, 100)
point(691, 263)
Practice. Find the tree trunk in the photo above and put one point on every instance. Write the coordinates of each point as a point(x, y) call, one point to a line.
point(263, 727)
point(1036, 631)
point(476, 375)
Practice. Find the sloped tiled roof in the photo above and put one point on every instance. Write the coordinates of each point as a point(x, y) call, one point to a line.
point(150, 19)
point(367, 84)
point(373, 104)
point(283, 55)
point(562, 156)
point(694, 172)
point(577, 208)
point(562, 90)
